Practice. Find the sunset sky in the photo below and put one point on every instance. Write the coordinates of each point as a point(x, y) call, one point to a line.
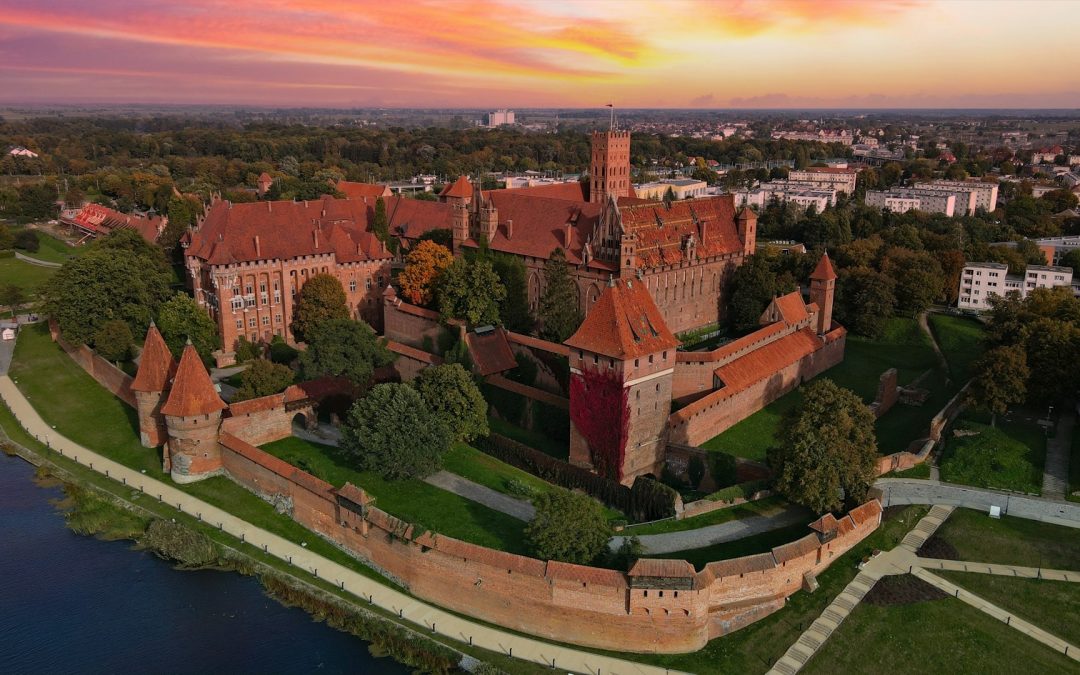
point(543, 53)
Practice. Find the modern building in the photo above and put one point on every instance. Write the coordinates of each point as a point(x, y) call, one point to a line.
point(681, 188)
point(980, 281)
point(499, 118)
point(970, 194)
point(839, 179)
point(901, 200)
point(20, 151)
point(799, 194)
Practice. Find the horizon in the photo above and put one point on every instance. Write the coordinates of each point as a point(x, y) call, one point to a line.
point(687, 55)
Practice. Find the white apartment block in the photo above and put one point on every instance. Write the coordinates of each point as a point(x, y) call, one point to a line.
point(499, 118)
point(682, 188)
point(980, 281)
point(841, 180)
point(970, 194)
point(902, 200)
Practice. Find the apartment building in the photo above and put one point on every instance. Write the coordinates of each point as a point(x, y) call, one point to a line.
point(829, 178)
point(787, 191)
point(902, 200)
point(970, 194)
point(682, 188)
point(980, 281)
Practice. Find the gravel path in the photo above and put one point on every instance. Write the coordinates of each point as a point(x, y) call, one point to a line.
point(463, 487)
point(1056, 472)
point(717, 534)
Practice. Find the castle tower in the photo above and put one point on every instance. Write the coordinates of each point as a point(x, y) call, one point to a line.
point(622, 360)
point(489, 219)
point(747, 225)
point(156, 369)
point(192, 419)
point(822, 290)
point(459, 224)
point(609, 168)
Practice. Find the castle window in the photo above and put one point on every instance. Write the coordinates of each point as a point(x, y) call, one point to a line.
point(352, 285)
point(277, 297)
point(650, 359)
point(240, 324)
point(644, 594)
point(595, 359)
point(266, 321)
point(661, 594)
point(277, 318)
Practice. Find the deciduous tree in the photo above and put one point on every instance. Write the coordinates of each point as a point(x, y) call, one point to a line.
point(864, 301)
point(568, 527)
point(263, 378)
point(754, 285)
point(423, 265)
point(321, 299)
point(181, 319)
point(1000, 380)
point(470, 290)
point(344, 347)
point(450, 392)
point(113, 341)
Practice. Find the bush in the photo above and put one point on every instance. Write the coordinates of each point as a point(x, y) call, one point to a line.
point(28, 240)
point(744, 490)
point(113, 341)
point(724, 469)
point(281, 352)
point(246, 350)
point(569, 527)
point(519, 488)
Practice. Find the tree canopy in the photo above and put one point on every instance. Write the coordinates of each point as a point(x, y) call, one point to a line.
point(449, 391)
point(470, 290)
point(1000, 379)
point(392, 432)
point(113, 341)
point(344, 347)
point(559, 311)
point(423, 265)
point(181, 319)
point(262, 378)
point(568, 527)
point(864, 301)
point(321, 299)
point(827, 452)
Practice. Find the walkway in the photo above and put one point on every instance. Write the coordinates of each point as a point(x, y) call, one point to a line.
point(913, 491)
point(942, 361)
point(1056, 473)
point(37, 261)
point(481, 494)
point(408, 608)
point(904, 560)
point(685, 540)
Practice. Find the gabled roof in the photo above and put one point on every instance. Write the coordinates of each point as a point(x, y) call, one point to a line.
point(156, 364)
point(624, 323)
point(265, 178)
point(824, 270)
point(192, 391)
point(96, 219)
point(767, 360)
point(659, 567)
point(490, 351)
point(370, 191)
point(461, 188)
point(662, 232)
point(789, 308)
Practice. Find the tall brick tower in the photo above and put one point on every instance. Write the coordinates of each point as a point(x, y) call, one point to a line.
point(609, 169)
point(156, 369)
point(747, 226)
point(822, 289)
point(193, 419)
point(622, 359)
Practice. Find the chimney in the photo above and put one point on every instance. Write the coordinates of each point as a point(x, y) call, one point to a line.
point(509, 228)
point(566, 239)
point(316, 233)
point(269, 207)
point(258, 249)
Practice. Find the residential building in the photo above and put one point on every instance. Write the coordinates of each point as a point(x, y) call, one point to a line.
point(1047, 154)
point(499, 118)
point(681, 188)
point(901, 200)
point(797, 193)
point(982, 280)
point(839, 179)
point(985, 193)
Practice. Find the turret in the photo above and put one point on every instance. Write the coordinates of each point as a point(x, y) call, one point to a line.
point(192, 418)
point(489, 219)
point(822, 290)
point(747, 225)
point(156, 369)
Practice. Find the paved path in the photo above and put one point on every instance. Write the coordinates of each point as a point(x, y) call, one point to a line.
point(685, 540)
point(408, 608)
point(1001, 570)
point(913, 491)
point(1056, 474)
point(37, 261)
point(481, 494)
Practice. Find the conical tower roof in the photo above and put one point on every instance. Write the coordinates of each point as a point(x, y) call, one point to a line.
point(192, 391)
point(824, 270)
point(156, 365)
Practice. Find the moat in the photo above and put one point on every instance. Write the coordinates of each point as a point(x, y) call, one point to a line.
point(70, 603)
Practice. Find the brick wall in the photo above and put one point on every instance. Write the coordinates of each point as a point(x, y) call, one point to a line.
point(409, 324)
point(105, 373)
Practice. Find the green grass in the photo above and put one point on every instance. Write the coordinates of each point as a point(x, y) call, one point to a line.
point(1074, 467)
point(754, 648)
point(1050, 605)
point(935, 636)
point(414, 501)
point(555, 447)
point(24, 275)
point(1011, 541)
point(904, 347)
point(917, 471)
point(960, 339)
point(53, 250)
point(754, 544)
point(762, 507)
point(1009, 456)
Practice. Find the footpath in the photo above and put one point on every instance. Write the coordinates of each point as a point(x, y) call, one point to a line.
point(1058, 448)
point(914, 491)
point(684, 540)
point(429, 617)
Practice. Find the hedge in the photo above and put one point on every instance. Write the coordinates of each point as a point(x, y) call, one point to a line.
point(744, 490)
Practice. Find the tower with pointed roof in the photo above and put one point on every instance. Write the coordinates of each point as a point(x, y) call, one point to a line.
point(625, 343)
point(156, 369)
point(192, 413)
point(822, 290)
point(747, 226)
point(609, 166)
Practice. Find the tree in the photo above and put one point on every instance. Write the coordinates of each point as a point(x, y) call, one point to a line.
point(864, 301)
point(449, 391)
point(117, 278)
point(263, 378)
point(669, 197)
point(754, 286)
point(514, 308)
point(1000, 380)
point(13, 297)
point(919, 278)
point(470, 290)
point(7, 239)
point(321, 299)
point(1053, 356)
point(423, 265)
point(393, 433)
point(559, 312)
point(28, 241)
point(568, 526)
point(1072, 259)
point(182, 319)
point(381, 226)
point(827, 449)
point(1060, 200)
point(113, 340)
point(344, 348)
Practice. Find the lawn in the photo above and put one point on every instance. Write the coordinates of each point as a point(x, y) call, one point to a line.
point(904, 347)
point(762, 507)
point(753, 649)
point(1050, 605)
point(52, 249)
point(555, 447)
point(960, 339)
point(1009, 456)
point(414, 501)
point(932, 636)
point(975, 536)
point(24, 275)
point(1074, 467)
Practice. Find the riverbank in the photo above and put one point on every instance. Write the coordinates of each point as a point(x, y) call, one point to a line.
point(98, 506)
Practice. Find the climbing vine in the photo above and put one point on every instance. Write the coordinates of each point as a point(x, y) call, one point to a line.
point(600, 410)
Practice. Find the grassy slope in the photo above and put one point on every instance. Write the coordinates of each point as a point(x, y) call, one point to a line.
point(936, 636)
point(1050, 605)
point(1011, 541)
point(550, 446)
point(28, 277)
point(53, 250)
point(1009, 456)
point(1074, 467)
point(762, 507)
point(960, 339)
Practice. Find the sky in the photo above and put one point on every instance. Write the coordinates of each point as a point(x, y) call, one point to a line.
point(543, 53)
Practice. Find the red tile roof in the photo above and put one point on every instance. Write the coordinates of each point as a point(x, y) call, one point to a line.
point(461, 188)
point(582, 574)
point(571, 192)
point(824, 270)
point(624, 323)
point(192, 391)
point(369, 191)
point(791, 308)
point(658, 567)
point(490, 352)
point(766, 361)
point(410, 218)
point(255, 405)
point(99, 220)
point(662, 232)
point(156, 364)
point(282, 230)
point(797, 548)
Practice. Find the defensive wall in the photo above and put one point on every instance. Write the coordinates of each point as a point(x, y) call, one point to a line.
point(105, 373)
point(904, 460)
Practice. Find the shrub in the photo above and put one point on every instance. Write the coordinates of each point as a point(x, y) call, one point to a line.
point(695, 470)
point(281, 352)
point(28, 241)
point(569, 527)
point(724, 469)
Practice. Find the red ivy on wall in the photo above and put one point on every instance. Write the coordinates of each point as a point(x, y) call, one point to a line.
point(600, 409)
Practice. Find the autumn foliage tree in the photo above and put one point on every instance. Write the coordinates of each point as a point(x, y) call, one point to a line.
point(600, 412)
point(423, 266)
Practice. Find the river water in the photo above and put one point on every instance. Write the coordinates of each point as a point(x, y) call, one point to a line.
point(70, 603)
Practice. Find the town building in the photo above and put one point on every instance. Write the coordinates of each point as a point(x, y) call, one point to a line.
point(841, 180)
point(681, 188)
point(499, 118)
point(1054, 248)
point(1047, 155)
point(982, 280)
point(800, 194)
point(970, 194)
point(94, 220)
point(20, 151)
point(902, 200)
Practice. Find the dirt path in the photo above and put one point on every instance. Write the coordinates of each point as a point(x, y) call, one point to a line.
point(925, 325)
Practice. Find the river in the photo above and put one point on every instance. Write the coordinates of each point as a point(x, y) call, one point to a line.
point(70, 603)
